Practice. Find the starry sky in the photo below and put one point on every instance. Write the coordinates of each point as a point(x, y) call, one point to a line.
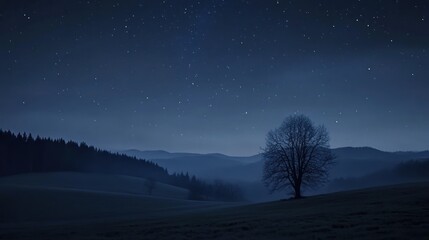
point(215, 76)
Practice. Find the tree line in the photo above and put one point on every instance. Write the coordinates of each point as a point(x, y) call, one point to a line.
point(22, 153)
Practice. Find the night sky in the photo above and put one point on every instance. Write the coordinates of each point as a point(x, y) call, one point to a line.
point(215, 76)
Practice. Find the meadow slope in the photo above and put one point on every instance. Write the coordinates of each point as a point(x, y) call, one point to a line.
point(94, 182)
point(392, 212)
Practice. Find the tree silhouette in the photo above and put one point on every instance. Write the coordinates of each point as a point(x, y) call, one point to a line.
point(297, 154)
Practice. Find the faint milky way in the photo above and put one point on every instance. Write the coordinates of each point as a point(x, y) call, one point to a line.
point(215, 76)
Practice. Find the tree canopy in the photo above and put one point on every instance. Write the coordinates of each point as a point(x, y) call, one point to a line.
point(296, 155)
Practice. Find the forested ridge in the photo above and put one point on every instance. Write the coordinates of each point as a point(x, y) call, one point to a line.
point(22, 153)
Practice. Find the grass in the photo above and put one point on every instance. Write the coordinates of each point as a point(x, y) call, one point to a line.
point(94, 182)
point(393, 212)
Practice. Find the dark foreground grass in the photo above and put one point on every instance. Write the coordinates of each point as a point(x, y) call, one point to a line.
point(393, 212)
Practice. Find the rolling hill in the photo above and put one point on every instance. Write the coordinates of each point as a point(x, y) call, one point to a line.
point(193, 163)
point(408, 171)
point(360, 161)
point(391, 212)
point(350, 162)
point(94, 182)
point(23, 154)
point(160, 154)
point(65, 196)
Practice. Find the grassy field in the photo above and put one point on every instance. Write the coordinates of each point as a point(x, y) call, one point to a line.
point(94, 182)
point(39, 199)
point(394, 212)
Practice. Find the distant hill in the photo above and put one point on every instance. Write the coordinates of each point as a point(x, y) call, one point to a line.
point(408, 171)
point(359, 153)
point(359, 161)
point(161, 154)
point(193, 163)
point(414, 155)
point(156, 154)
point(350, 162)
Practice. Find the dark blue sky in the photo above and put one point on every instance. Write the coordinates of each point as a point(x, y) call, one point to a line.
point(215, 76)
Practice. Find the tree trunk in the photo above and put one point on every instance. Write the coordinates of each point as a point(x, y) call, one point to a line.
point(297, 192)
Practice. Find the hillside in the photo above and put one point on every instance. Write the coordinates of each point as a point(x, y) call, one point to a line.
point(359, 161)
point(160, 154)
point(46, 205)
point(56, 197)
point(409, 171)
point(21, 153)
point(155, 154)
point(94, 182)
point(199, 164)
point(392, 212)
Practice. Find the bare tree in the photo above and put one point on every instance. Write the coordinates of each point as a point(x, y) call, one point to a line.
point(296, 155)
